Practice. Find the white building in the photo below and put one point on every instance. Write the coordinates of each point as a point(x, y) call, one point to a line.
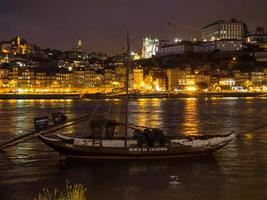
point(187, 47)
point(174, 49)
point(223, 45)
point(182, 47)
point(227, 81)
point(223, 30)
point(150, 47)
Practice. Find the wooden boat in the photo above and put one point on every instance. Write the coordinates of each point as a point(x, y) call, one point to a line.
point(143, 144)
point(83, 148)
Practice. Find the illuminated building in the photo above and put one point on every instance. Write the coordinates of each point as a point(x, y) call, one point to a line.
point(79, 46)
point(64, 79)
point(15, 46)
point(174, 76)
point(241, 78)
point(79, 63)
point(224, 84)
point(138, 78)
point(135, 56)
point(45, 80)
point(265, 75)
point(40, 80)
point(150, 47)
point(202, 78)
point(223, 45)
point(261, 56)
point(179, 79)
point(77, 55)
point(78, 77)
point(226, 81)
point(8, 76)
point(179, 47)
point(6, 47)
point(26, 78)
point(223, 30)
point(158, 79)
point(4, 76)
point(190, 79)
point(68, 65)
point(4, 58)
point(13, 77)
point(209, 46)
point(175, 48)
point(109, 76)
point(154, 80)
point(117, 60)
point(257, 78)
point(258, 39)
point(120, 74)
point(93, 79)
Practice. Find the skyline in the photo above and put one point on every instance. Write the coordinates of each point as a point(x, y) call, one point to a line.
point(102, 25)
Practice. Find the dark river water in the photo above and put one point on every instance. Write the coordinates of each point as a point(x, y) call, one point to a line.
point(237, 172)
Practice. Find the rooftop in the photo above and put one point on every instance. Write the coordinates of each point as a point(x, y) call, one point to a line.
point(233, 21)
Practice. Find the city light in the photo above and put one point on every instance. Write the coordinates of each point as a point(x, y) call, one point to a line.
point(190, 88)
point(79, 72)
point(176, 40)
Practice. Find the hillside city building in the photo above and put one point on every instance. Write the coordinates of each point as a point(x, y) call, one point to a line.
point(219, 30)
point(228, 59)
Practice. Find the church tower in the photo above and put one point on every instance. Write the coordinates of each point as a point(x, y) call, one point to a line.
point(18, 40)
point(79, 45)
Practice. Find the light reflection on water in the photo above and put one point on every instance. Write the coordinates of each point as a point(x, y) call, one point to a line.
point(191, 120)
point(146, 112)
point(237, 172)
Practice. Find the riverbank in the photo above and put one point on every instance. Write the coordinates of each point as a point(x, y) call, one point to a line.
point(39, 96)
point(135, 96)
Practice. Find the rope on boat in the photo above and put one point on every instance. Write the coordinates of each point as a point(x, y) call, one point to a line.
point(254, 129)
point(223, 126)
point(216, 120)
point(259, 127)
point(104, 130)
point(119, 111)
point(94, 113)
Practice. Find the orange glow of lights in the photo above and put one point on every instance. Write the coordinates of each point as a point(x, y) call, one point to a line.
point(191, 88)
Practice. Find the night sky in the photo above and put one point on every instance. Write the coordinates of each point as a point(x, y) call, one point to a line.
point(101, 24)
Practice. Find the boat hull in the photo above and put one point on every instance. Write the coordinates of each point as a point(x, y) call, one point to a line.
point(71, 151)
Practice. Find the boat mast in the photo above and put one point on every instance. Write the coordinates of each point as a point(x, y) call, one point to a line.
point(128, 66)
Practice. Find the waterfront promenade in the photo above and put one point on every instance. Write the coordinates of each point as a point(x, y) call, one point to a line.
point(113, 96)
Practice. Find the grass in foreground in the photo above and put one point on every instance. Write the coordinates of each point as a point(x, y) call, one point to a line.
point(72, 192)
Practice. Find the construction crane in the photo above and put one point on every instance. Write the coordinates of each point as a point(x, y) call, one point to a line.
point(174, 31)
